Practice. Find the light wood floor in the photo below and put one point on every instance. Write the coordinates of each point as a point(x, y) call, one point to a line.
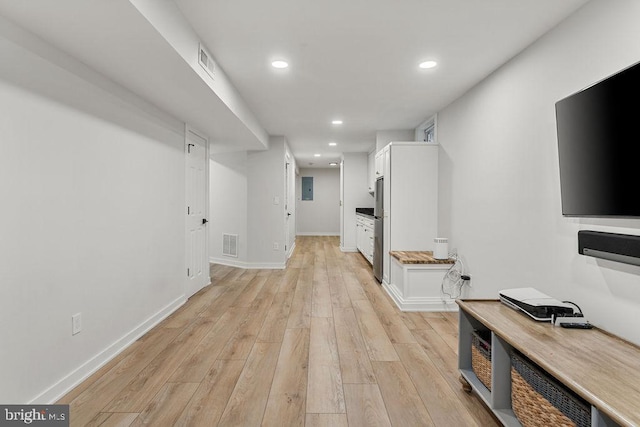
point(317, 344)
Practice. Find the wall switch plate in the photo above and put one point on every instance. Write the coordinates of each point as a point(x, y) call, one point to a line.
point(76, 323)
point(276, 246)
point(276, 200)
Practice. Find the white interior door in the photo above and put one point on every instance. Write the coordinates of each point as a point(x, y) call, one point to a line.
point(288, 206)
point(342, 204)
point(197, 200)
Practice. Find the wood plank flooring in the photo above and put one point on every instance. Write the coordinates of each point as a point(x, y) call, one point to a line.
point(317, 344)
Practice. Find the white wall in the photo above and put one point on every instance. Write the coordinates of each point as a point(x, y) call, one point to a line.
point(355, 187)
point(320, 216)
point(265, 207)
point(500, 198)
point(228, 205)
point(92, 181)
point(383, 137)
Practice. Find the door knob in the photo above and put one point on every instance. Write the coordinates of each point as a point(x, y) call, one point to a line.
point(204, 221)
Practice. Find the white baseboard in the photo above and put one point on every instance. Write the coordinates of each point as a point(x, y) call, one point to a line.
point(248, 265)
point(421, 303)
point(345, 249)
point(318, 233)
point(66, 384)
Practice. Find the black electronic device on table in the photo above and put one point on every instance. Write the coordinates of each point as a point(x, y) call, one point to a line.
point(535, 304)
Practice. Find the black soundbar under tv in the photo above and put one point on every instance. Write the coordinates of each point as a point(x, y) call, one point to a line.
point(614, 247)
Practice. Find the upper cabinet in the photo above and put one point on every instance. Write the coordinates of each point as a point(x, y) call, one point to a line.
point(379, 164)
point(371, 176)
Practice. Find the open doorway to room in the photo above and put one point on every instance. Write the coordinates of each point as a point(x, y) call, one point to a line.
point(318, 202)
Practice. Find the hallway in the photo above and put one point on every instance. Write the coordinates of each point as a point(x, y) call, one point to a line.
point(317, 344)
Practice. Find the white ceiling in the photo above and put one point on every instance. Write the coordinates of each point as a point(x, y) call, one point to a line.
point(356, 60)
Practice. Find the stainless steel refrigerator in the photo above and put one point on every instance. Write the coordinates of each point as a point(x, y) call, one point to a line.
point(378, 213)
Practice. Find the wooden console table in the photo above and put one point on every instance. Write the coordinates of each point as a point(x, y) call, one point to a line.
point(601, 368)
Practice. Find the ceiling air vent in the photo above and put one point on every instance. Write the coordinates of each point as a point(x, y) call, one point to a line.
point(230, 245)
point(206, 60)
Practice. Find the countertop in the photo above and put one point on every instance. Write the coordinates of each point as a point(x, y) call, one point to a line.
point(418, 257)
point(368, 212)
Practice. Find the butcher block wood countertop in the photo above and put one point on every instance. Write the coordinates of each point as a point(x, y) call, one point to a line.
point(600, 367)
point(418, 257)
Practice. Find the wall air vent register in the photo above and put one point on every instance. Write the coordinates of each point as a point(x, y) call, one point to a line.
point(206, 60)
point(230, 245)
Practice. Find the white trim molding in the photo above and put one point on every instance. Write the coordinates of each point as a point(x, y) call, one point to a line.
point(430, 304)
point(248, 265)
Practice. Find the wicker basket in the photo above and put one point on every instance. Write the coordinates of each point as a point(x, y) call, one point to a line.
point(540, 401)
point(481, 356)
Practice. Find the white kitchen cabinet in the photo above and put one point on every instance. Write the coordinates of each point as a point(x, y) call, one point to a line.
point(386, 209)
point(368, 241)
point(364, 236)
point(410, 202)
point(371, 166)
point(379, 164)
point(359, 233)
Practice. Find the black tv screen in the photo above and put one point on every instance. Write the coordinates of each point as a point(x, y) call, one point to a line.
point(599, 148)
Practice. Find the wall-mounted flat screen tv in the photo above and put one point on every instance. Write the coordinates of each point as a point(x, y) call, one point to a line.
point(599, 148)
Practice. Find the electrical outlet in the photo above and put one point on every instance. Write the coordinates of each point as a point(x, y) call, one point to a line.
point(76, 323)
point(276, 246)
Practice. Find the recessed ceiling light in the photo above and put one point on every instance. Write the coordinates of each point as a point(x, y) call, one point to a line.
point(336, 122)
point(428, 64)
point(280, 64)
point(333, 164)
point(316, 155)
point(333, 144)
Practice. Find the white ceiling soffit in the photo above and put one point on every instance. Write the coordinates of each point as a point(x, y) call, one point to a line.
point(115, 39)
